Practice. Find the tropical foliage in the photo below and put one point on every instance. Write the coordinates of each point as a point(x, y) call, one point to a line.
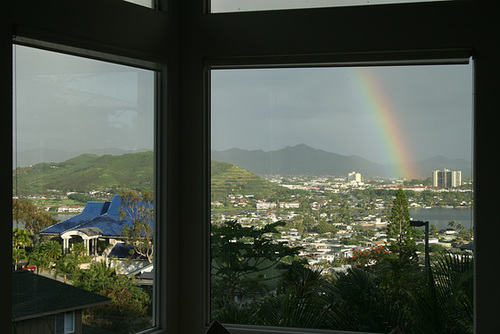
point(139, 207)
point(128, 311)
point(385, 290)
point(32, 216)
point(244, 260)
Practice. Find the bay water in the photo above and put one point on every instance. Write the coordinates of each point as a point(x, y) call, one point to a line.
point(442, 216)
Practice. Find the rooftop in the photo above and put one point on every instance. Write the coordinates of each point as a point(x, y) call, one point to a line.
point(34, 296)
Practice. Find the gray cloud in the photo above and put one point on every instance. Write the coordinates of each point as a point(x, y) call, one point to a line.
point(329, 109)
point(74, 104)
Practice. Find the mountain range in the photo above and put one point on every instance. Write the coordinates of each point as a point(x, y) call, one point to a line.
point(302, 159)
point(233, 171)
point(24, 158)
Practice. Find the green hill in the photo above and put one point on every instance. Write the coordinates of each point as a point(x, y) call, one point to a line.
point(231, 179)
point(133, 171)
point(88, 172)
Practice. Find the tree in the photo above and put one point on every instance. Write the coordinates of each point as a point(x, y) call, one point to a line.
point(130, 304)
point(33, 217)
point(66, 265)
point(20, 238)
point(139, 207)
point(52, 250)
point(399, 231)
point(38, 258)
point(17, 254)
point(434, 230)
point(358, 303)
point(447, 305)
point(79, 249)
point(244, 259)
point(452, 224)
point(297, 301)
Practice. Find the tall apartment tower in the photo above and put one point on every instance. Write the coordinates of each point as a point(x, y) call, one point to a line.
point(353, 176)
point(446, 178)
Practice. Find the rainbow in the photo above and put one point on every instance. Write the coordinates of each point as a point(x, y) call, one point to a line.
point(378, 103)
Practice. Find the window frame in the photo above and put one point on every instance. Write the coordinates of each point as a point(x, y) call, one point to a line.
point(434, 57)
point(63, 315)
point(45, 26)
point(290, 37)
point(186, 39)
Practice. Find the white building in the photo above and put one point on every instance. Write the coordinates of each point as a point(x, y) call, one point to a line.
point(265, 205)
point(289, 205)
point(354, 177)
point(446, 178)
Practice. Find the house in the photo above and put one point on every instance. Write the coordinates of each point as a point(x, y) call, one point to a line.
point(98, 220)
point(43, 305)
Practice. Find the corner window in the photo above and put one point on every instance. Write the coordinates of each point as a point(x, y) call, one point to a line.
point(325, 211)
point(84, 182)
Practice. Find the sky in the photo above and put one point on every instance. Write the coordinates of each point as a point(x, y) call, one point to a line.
point(69, 103)
point(384, 114)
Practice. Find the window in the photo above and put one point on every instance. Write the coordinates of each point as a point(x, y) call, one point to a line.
point(222, 6)
point(65, 322)
point(340, 35)
point(84, 181)
point(305, 164)
point(144, 3)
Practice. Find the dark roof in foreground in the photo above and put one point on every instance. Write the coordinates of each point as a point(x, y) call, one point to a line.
point(35, 295)
point(86, 329)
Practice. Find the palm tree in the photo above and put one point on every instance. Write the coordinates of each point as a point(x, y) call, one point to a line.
point(67, 264)
point(20, 238)
point(446, 306)
point(17, 254)
point(52, 250)
point(357, 302)
point(297, 302)
point(79, 249)
point(38, 258)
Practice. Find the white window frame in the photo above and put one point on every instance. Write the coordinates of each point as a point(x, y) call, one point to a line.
point(186, 39)
point(68, 315)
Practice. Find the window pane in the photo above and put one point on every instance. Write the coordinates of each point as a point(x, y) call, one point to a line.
point(83, 179)
point(221, 6)
point(329, 208)
point(69, 322)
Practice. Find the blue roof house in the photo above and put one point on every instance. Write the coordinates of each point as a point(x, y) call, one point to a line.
point(97, 220)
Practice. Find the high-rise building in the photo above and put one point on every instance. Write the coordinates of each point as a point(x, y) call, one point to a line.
point(353, 176)
point(446, 178)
